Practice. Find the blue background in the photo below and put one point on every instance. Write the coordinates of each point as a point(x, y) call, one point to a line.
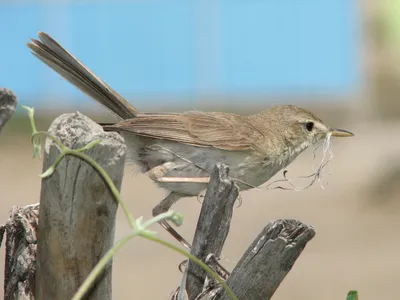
point(159, 49)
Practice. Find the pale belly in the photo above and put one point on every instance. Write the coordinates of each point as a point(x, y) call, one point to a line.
point(185, 161)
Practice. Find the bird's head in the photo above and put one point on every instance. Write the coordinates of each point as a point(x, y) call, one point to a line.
point(301, 127)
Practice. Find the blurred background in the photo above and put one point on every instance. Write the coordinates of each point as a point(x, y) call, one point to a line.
point(337, 58)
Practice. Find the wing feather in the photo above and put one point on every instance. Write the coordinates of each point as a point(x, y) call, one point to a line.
point(204, 129)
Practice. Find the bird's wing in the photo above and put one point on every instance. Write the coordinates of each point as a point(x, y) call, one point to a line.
point(203, 129)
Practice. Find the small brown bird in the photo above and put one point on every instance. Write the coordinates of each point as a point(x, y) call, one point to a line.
point(179, 150)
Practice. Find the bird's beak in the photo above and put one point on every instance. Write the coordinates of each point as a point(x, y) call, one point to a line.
point(340, 133)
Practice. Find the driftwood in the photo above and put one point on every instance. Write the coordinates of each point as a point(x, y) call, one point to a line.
point(77, 212)
point(8, 101)
point(265, 263)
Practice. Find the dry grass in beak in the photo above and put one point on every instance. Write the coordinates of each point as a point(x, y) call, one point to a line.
point(327, 156)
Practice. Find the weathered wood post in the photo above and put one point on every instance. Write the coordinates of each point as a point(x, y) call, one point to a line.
point(212, 227)
point(77, 211)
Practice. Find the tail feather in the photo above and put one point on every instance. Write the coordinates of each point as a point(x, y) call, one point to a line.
point(60, 60)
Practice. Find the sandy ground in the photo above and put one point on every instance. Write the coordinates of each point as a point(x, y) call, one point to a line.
point(357, 240)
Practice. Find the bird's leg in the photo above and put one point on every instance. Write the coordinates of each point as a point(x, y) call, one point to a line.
point(164, 206)
point(158, 173)
point(183, 179)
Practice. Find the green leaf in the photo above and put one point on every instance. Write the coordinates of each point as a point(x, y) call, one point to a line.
point(352, 295)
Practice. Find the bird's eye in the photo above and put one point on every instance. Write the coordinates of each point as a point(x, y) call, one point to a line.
point(309, 126)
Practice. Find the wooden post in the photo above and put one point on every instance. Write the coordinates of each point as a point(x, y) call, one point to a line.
point(77, 211)
point(213, 225)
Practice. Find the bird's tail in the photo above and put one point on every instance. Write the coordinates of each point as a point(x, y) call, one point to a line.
point(65, 64)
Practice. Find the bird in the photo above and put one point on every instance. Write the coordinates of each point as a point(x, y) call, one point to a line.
point(179, 150)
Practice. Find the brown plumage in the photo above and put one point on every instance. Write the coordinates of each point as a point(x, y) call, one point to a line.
point(179, 150)
point(220, 130)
